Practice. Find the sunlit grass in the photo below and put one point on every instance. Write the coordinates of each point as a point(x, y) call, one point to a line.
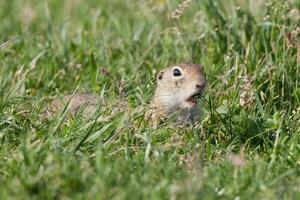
point(246, 147)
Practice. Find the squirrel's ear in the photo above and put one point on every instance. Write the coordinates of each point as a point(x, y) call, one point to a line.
point(160, 75)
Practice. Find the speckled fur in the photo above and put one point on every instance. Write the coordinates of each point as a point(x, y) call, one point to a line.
point(169, 98)
point(75, 103)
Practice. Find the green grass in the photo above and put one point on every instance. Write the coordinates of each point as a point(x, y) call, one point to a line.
point(52, 48)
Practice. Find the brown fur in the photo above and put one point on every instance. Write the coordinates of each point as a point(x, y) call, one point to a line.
point(75, 103)
point(171, 93)
point(169, 98)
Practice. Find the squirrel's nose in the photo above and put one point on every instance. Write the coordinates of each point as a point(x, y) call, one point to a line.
point(200, 86)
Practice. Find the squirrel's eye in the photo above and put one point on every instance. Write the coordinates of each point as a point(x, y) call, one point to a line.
point(176, 72)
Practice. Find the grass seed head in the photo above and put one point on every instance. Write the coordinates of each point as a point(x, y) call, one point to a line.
point(180, 9)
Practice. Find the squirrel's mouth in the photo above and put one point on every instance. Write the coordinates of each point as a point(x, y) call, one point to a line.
point(192, 100)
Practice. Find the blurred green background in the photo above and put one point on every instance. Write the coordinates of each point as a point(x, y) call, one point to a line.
point(246, 147)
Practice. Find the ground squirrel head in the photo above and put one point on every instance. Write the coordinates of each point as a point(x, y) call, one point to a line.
point(179, 86)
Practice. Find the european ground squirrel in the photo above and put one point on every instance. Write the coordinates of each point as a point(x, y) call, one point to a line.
point(178, 88)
